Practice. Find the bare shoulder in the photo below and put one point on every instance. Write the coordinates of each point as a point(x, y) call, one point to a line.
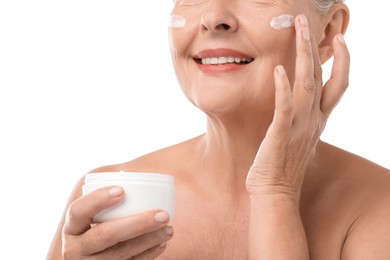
point(342, 164)
point(363, 188)
point(167, 160)
point(369, 235)
point(356, 177)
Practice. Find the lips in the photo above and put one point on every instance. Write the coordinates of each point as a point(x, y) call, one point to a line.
point(221, 57)
point(221, 60)
point(224, 60)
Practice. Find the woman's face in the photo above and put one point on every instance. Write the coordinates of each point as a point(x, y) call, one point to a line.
point(223, 30)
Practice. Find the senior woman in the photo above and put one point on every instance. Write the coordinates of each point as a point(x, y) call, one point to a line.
point(259, 184)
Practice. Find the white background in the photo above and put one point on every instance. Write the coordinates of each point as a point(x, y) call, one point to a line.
point(87, 83)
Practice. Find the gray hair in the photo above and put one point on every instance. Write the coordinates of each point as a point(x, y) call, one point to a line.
point(324, 5)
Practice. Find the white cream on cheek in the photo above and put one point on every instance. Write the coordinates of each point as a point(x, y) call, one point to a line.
point(278, 22)
point(177, 21)
point(282, 22)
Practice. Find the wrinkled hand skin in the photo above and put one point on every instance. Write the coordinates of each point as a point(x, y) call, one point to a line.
point(300, 115)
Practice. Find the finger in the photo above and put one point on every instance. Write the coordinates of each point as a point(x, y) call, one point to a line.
point(317, 74)
point(304, 86)
point(338, 82)
point(151, 253)
point(80, 213)
point(110, 233)
point(279, 130)
point(283, 113)
point(138, 245)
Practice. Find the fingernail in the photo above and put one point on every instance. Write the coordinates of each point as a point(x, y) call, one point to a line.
point(161, 217)
point(169, 230)
point(116, 191)
point(341, 39)
point(303, 20)
point(280, 70)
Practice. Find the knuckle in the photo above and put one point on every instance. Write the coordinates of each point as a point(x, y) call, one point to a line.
point(70, 251)
point(309, 86)
point(143, 222)
point(74, 210)
point(285, 109)
point(104, 232)
point(318, 72)
point(307, 50)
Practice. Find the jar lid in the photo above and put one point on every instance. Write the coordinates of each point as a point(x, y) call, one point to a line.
point(127, 176)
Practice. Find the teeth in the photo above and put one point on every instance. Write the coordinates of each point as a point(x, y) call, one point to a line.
point(224, 60)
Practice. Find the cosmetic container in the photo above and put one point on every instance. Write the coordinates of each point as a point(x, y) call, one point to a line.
point(143, 191)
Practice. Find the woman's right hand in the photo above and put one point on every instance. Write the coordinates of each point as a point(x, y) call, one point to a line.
point(139, 236)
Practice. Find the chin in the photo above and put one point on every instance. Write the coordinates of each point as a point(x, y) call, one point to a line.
point(218, 108)
point(219, 97)
point(216, 100)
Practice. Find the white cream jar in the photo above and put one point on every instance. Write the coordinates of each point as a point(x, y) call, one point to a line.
point(143, 191)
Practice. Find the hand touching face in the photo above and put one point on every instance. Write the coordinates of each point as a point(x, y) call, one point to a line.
point(301, 112)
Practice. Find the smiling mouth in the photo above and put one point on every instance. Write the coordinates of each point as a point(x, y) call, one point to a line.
point(223, 60)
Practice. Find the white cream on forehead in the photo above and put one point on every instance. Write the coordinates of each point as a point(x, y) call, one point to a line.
point(177, 21)
point(282, 21)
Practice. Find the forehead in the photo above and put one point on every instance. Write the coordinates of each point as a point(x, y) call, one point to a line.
point(293, 6)
point(288, 2)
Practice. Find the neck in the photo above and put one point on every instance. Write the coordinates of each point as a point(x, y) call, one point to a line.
point(230, 146)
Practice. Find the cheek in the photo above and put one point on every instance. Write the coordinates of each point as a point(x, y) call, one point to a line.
point(176, 39)
point(182, 33)
point(271, 31)
point(177, 21)
point(274, 47)
point(182, 28)
point(280, 45)
point(285, 50)
point(180, 39)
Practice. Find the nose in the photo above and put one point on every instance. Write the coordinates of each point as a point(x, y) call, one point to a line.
point(218, 16)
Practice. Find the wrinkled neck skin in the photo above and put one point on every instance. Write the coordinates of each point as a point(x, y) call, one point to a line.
point(230, 146)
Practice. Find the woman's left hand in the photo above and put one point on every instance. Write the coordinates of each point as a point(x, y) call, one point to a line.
point(300, 116)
